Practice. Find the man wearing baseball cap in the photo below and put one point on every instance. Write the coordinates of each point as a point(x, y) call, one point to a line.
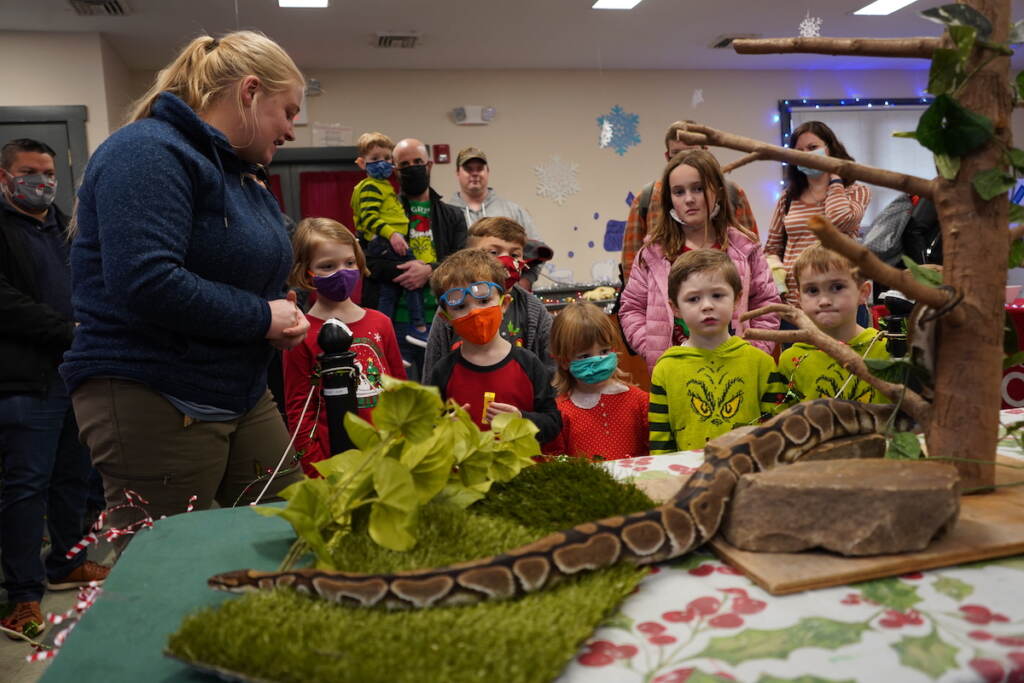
point(476, 199)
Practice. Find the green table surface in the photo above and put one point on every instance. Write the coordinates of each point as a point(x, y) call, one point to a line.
point(160, 578)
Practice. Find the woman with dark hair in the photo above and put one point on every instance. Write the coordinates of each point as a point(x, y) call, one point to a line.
point(810, 192)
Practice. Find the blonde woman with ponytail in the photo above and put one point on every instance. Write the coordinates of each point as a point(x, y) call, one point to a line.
point(179, 267)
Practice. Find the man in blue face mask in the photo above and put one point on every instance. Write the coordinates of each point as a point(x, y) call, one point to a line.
point(45, 468)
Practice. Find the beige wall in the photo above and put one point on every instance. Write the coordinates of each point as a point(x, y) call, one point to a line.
point(56, 69)
point(118, 86)
point(544, 113)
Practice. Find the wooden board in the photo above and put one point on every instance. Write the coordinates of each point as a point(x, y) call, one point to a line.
point(990, 526)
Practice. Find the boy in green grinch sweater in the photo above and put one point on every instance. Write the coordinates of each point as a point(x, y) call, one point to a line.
point(831, 288)
point(714, 381)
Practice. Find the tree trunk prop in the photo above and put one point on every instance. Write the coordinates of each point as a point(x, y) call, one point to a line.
point(963, 419)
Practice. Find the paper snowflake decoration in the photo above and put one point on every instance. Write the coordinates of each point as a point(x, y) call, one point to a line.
point(623, 125)
point(810, 27)
point(698, 98)
point(556, 179)
point(605, 138)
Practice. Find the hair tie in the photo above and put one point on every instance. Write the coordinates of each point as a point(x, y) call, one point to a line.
point(212, 45)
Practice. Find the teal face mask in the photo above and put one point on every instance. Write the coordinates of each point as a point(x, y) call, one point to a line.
point(594, 369)
point(812, 172)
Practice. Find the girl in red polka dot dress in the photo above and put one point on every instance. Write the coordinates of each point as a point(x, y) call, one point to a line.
point(603, 416)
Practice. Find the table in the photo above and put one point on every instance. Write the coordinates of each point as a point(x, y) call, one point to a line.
point(691, 620)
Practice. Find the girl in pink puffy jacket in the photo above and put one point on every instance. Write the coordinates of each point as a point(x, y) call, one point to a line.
point(695, 215)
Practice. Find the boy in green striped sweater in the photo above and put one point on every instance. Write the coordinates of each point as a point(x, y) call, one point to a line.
point(714, 381)
point(831, 288)
point(382, 225)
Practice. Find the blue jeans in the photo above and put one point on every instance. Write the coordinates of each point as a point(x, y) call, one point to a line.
point(45, 485)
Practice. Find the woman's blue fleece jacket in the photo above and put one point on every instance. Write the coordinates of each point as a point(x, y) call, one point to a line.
point(177, 253)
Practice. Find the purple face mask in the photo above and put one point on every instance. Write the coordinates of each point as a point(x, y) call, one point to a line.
point(337, 286)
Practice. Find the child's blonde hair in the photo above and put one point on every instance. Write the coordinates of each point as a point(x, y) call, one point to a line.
point(464, 267)
point(669, 234)
point(578, 327)
point(311, 232)
point(819, 259)
point(368, 141)
point(700, 261)
point(209, 67)
point(497, 226)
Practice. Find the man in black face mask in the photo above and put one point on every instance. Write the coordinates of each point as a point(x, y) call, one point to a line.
point(436, 230)
point(45, 468)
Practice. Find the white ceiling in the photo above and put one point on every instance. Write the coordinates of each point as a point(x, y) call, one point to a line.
point(487, 34)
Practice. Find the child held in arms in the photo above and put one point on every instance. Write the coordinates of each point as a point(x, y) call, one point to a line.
point(831, 288)
point(383, 226)
point(487, 374)
point(526, 321)
point(603, 416)
point(714, 381)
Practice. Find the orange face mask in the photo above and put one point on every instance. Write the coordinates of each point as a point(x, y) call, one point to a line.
point(480, 325)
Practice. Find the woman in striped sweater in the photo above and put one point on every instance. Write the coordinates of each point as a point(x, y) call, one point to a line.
point(810, 192)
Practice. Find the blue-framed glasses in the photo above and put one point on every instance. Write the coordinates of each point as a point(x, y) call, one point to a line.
point(478, 290)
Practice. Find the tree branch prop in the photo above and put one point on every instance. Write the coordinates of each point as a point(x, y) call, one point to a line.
point(697, 134)
point(808, 333)
point(919, 48)
point(742, 161)
point(874, 268)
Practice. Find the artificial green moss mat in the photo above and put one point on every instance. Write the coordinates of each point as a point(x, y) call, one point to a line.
point(285, 636)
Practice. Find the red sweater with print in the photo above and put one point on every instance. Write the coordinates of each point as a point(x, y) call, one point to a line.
point(376, 349)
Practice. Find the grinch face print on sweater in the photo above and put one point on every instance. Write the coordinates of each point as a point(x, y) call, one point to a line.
point(835, 382)
point(715, 396)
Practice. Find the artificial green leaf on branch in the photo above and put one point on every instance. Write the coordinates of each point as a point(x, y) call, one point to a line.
point(960, 15)
point(992, 182)
point(948, 166)
point(1016, 215)
point(946, 127)
point(946, 71)
point(903, 446)
point(925, 276)
point(1017, 246)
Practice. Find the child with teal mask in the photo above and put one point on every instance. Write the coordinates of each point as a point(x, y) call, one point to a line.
point(603, 416)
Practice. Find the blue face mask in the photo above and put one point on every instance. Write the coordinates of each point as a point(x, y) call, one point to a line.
point(380, 170)
point(594, 369)
point(812, 172)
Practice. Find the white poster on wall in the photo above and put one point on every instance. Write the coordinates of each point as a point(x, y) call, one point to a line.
point(331, 135)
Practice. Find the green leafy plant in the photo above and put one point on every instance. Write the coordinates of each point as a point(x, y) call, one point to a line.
point(420, 449)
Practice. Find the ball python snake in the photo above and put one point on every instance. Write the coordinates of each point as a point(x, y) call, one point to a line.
point(662, 533)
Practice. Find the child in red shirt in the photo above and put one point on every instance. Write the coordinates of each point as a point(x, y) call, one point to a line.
point(513, 379)
point(602, 415)
point(328, 259)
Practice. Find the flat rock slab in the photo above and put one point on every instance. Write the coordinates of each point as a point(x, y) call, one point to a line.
point(852, 507)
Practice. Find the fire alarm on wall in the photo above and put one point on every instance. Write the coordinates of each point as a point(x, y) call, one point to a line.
point(442, 155)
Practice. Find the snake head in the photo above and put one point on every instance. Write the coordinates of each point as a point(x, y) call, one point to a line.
point(237, 581)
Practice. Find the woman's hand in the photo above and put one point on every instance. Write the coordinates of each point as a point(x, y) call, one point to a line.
point(288, 326)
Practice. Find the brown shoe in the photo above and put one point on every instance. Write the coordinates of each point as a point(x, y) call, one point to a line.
point(81, 575)
point(26, 618)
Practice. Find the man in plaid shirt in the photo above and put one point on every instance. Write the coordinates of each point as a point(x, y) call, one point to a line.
point(646, 209)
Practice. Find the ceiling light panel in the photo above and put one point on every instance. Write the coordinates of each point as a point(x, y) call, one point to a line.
point(883, 7)
point(615, 4)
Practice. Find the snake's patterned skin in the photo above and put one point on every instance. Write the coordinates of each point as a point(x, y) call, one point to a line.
point(665, 532)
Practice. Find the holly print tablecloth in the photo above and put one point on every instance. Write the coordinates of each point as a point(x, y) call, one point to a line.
point(697, 620)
